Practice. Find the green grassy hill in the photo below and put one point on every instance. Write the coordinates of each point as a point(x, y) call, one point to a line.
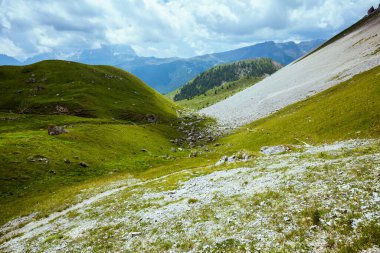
point(216, 94)
point(221, 74)
point(61, 87)
point(106, 115)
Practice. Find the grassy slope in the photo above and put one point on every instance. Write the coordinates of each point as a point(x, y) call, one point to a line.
point(229, 72)
point(348, 110)
point(216, 94)
point(107, 145)
point(92, 91)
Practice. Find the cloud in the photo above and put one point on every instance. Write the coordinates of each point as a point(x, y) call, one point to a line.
point(167, 28)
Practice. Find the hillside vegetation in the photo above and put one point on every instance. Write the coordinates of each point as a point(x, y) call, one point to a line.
point(61, 87)
point(216, 94)
point(115, 124)
point(221, 74)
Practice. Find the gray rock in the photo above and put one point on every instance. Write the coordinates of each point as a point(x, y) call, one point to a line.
point(222, 160)
point(56, 130)
point(133, 234)
point(273, 150)
point(232, 159)
point(61, 109)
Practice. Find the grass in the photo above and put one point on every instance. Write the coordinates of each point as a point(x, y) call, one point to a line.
point(348, 110)
point(106, 114)
point(83, 90)
point(216, 94)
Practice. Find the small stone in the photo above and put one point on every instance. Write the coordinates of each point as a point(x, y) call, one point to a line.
point(143, 150)
point(173, 150)
point(61, 109)
point(83, 164)
point(44, 160)
point(222, 160)
point(232, 159)
point(151, 118)
point(67, 161)
point(56, 130)
point(133, 234)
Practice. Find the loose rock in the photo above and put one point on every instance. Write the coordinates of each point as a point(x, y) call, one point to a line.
point(56, 130)
point(83, 164)
point(273, 150)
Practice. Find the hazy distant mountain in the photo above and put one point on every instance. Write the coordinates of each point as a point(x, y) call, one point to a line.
point(167, 74)
point(7, 60)
point(105, 55)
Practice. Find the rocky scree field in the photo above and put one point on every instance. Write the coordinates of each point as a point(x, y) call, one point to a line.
point(354, 51)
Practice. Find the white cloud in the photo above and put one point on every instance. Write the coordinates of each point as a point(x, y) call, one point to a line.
point(167, 28)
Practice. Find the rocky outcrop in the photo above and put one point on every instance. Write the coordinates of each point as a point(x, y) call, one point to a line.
point(371, 10)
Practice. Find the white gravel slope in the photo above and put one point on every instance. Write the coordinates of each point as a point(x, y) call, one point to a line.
point(321, 70)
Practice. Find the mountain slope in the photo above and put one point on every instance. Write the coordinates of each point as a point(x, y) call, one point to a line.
point(318, 198)
point(220, 74)
point(61, 87)
point(168, 76)
point(338, 61)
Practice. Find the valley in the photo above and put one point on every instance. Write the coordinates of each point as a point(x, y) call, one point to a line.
point(244, 154)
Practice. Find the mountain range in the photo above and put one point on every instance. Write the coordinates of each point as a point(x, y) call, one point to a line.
point(168, 74)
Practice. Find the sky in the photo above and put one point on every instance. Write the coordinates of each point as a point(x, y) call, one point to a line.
point(168, 28)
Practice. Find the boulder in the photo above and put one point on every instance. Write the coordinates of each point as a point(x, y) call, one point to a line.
point(56, 130)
